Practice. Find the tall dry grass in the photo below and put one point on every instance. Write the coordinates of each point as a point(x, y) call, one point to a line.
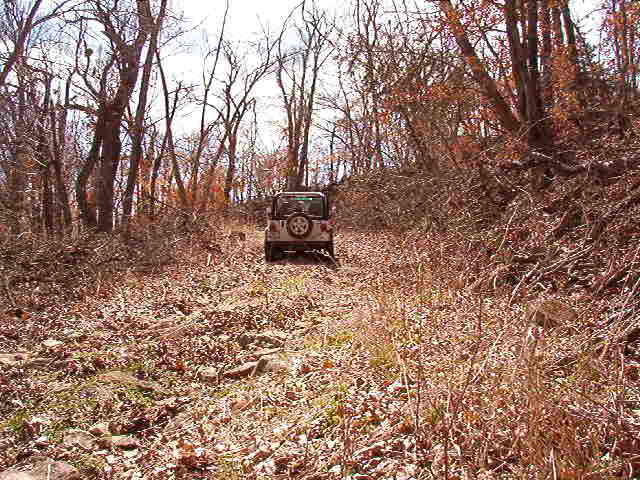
point(492, 395)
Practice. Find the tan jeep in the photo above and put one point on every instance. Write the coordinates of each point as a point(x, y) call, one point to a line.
point(298, 221)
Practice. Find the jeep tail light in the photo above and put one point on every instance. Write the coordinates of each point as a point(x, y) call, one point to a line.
point(323, 227)
point(273, 227)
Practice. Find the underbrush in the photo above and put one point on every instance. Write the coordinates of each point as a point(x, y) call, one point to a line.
point(488, 232)
point(489, 394)
point(37, 269)
point(479, 391)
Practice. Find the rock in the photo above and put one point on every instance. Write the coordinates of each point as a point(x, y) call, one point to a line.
point(179, 422)
point(79, 438)
point(550, 314)
point(208, 375)
point(36, 425)
point(266, 351)
point(14, 475)
point(52, 343)
point(64, 365)
point(238, 235)
point(244, 304)
point(131, 454)
point(266, 364)
point(173, 404)
point(42, 441)
point(127, 378)
point(118, 427)
point(245, 339)
point(126, 442)
point(39, 362)
point(276, 336)
point(100, 429)
point(42, 468)
point(243, 370)
point(170, 327)
point(273, 338)
point(12, 359)
point(272, 363)
point(78, 336)
point(167, 323)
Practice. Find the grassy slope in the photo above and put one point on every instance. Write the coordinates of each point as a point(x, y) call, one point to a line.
point(399, 369)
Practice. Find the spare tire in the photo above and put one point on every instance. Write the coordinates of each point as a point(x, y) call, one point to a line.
point(299, 225)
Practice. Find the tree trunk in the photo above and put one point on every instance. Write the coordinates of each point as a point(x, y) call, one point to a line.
point(545, 59)
point(47, 204)
point(505, 116)
point(142, 207)
point(211, 174)
point(572, 50)
point(231, 167)
point(138, 126)
point(18, 182)
point(539, 136)
point(534, 102)
point(57, 154)
point(18, 48)
point(157, 162)
point(518, 59)
point(182, 193)
point(109, 162)
point(556, 25)
point(111, 111)
point(87, 211)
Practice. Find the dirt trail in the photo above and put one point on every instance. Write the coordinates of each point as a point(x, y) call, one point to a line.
point(154, 355)
point(219, 365)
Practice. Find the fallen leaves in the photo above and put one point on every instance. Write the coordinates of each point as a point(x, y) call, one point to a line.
point(288, 369)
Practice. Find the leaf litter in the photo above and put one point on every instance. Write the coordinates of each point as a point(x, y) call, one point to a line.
point(387, 377)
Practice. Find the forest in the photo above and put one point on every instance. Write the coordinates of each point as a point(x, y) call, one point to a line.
point(94, 134)
point(481, 317)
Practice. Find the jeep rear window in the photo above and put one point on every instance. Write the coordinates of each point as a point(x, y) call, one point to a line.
point(312, 206)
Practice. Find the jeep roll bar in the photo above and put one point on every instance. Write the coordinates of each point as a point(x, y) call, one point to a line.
point(325, 202)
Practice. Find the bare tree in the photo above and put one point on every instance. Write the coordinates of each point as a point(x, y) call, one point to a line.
point(236, 99)
point(155, 25)
point(170, 110)
point(19, 23)
point(25, 106)
point(127, 30)
point(207, 127)
point(501, 108)
point(297, 74)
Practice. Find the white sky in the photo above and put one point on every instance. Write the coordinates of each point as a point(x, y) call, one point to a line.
point(246, 20)
point(245, 16)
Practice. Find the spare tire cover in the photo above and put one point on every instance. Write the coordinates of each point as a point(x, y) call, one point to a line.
point(299, 225)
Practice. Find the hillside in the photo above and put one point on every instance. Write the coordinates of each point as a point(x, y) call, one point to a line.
point(415, 356)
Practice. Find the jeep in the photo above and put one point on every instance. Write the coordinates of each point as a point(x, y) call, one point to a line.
point(298, 221)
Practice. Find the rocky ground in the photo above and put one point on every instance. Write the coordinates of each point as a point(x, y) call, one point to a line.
point(219, 365)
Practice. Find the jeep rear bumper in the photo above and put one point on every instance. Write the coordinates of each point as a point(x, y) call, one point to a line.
point(301, 246)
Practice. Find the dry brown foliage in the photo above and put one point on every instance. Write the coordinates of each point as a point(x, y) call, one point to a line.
point(411, 358)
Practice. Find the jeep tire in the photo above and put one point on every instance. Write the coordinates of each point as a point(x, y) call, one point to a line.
point(271, 252)
point(329, 250)
point(299, 225)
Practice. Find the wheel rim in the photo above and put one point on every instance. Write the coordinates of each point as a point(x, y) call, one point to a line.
point(298, 226)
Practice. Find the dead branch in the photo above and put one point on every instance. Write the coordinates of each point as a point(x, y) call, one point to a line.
point(628, 202)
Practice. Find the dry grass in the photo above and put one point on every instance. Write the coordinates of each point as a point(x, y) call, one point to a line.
point(486, 395)
point(411, 360)
point(494, 397)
